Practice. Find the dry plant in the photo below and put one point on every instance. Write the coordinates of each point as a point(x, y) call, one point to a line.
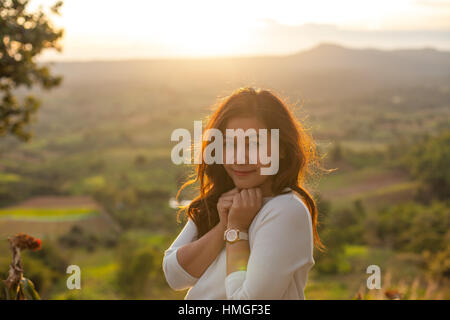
point(16, 287)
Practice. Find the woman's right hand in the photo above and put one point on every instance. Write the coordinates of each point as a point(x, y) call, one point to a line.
point(224, 204)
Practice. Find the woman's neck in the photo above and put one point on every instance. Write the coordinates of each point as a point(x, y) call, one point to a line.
point(266, 188)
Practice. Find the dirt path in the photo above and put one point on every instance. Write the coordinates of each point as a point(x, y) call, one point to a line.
point(372, 183)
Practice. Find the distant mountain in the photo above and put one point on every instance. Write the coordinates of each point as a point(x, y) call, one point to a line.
point(425, 61)
point(325, 71)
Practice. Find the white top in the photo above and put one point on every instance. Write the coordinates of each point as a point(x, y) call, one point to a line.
point(281, 254)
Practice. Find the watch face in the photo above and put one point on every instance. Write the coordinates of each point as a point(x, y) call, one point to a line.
point(231, 235)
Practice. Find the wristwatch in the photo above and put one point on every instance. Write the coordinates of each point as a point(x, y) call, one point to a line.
point(233, 235)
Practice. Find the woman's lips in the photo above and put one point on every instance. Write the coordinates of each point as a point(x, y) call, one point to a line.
point(242, 173)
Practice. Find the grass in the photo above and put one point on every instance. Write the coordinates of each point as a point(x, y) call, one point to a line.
point(48, 214)
point(330, 290)
point(356, 251)
point(9, 178)
point(98, 270)
point(144, 237)
point(394, 188)
point(400, 272)
point(338, 179)
point(379, 196)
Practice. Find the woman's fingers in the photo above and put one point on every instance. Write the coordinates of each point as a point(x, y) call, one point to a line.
point(230, 197)
point(258, 193)
point(225, 203)
point(252, 197)
point(232, 192)
point(237, 200)
point(245, 197)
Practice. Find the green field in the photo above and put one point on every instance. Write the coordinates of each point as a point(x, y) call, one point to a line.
point(48, 214)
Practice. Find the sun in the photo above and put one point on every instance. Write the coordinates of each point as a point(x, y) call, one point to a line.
point(208, 32)
point(199, 28)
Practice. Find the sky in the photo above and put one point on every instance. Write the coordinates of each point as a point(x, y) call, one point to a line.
point(114, 30)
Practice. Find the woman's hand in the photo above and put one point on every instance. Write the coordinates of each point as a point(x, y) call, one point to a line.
point(224, 204)
point(246, 204)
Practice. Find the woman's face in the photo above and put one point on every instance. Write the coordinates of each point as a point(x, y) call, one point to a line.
point(247, 175)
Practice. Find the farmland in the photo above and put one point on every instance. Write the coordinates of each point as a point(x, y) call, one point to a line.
point(96, 180)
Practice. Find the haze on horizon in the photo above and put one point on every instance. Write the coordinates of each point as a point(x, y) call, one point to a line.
point(135, 29)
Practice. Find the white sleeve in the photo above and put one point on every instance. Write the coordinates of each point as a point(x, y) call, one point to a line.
point(282, 244)
point(176, 276)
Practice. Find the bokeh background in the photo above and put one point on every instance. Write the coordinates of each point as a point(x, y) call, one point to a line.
point(91, 175)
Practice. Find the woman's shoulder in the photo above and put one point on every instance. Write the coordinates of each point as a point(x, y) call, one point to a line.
point(289, 204)
point(290, 200)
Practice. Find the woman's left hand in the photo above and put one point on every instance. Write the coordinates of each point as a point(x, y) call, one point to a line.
point(246, 204)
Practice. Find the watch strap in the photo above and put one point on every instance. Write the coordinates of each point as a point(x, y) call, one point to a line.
point(242, 235)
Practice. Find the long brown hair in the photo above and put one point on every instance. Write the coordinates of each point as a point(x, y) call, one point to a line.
point(297, 153)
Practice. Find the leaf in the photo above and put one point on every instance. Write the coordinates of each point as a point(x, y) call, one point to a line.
point(29, 290)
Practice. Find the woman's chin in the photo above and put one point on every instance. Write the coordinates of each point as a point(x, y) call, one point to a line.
point(244, 184)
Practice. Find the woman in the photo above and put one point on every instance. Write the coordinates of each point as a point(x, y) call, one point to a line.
point(248, 235)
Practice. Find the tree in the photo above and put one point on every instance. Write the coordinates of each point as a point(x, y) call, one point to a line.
point(428, 161)
point(23, 36)
point(137, 267)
